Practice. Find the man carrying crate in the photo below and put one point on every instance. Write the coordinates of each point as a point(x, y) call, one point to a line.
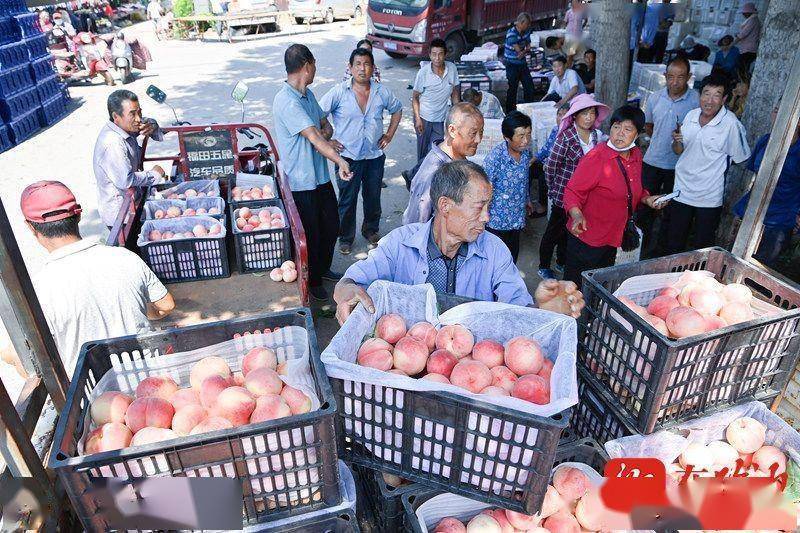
point(453, 252)
point(87, 291)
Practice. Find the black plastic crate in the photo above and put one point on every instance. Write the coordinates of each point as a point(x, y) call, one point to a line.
point(52, 110)
point(596, 416)
point(261, 249)
point(586, 451)
point(382, 503)
point(42, 68)
point(5, 139)
point(25, 126)
point(13, 54)
point(8, 30)
point(20, 103)
point(48, 87)
point(14, 80)
point(27, 24)
point(335, 522)
point(180, 260)
point(658, 381)
point(201, 455)
point(37, 46)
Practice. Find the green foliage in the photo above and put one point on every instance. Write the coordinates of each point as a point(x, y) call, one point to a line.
point(183, 8)
point(793, 484)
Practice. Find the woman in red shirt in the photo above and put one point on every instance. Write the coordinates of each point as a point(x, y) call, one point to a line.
point(596, 196)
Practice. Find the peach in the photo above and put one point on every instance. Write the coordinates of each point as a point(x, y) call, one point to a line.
point(483, 523)
point(562, 522)
point(264, 214)
point(159, 386)
point(471, 375)
point(502, 519)
point(238, 379)
point(151, 435)
point(456, 339)
point(410, 355)
point(523, 355)
point(241, 223)
point(441, 362)
point(107, 437)
point(155, 235)
point(208, 366)
point(173, 211)
point(747, 459)
point(202, 211)
point(374, 344)
point(276, 224)
point(380, 359)
point(236, 404)
point(705, 301)
point(522, 521)
point(189, 212)
point(187, 418)
point(259, 358)
point(714, 322)
point(270, 407)
point(672, 292)
point(571, 483)
point(393, 480)
point(398, 372)
point(190, 193)
point(503, 377)
point(254, 221)
point(289, 276)
point(211, 388)
point(438, 378)
point(767, 457)
point(184, 397)
point(296, 399)
point(214, 211)
point(723, 455)
point(658, 324)
point(553, 503)
point(450, 525)
point(736, 292)
point(532, 388)
point(547, 368)
point(697, 455)
point(282, 368)
point(633, 306)
point(390, 328)
point(248, 227)
point(661, 305)
point(245, 213)
point(167, 235)
point(276, 274)
point(736, 312)
point(159, 214)
point(288, 264)
point(425, 332)
point(149, 411)
point(110, 407)
point(493, 390)
point(263, 381)
point(746, 434)
point(212, 423)
point(591, 512)
point(199, 230)
point(685, 322)
point(489, 352)
point(683, 297)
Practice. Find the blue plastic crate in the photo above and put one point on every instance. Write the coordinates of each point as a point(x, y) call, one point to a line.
point(5, 139)
point(42, 68)
point(16, 105)
point(12, 7)
point(25, 126)
point(37, 46)
point(49, 87)
point(27, 24)
point(52, 110)
point(14, 80)
point(14, 54)
point(8, 30)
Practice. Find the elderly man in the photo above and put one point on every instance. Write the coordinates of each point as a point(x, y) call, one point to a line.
point(453, 252)
point(117, 153)
point(487, 103)
point(464, 127)
point(87, 291)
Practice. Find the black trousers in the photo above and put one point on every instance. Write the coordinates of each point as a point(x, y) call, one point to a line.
point(582, 257)
point(319, 214)
point(510, 238)
point(537, 181)
point(554, 238)
point(656, 181)
point(683, 219)
point(660, 46)
point(516, 74)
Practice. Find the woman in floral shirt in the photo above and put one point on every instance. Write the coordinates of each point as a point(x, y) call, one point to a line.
point(507, 166)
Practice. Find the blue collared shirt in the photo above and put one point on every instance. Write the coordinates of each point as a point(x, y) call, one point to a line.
point(513, 36)
point(359, 131)
point(662, 111)
point(293, 112)
point(487, 273)
point(636, 22)
point(653, 16)
point(727, 62)
point(509, 180)
point(544, 151)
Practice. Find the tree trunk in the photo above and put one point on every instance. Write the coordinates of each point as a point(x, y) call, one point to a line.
point(612, 28)
point(780, 40)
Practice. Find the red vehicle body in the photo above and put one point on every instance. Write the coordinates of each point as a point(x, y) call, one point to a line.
point(405, 27)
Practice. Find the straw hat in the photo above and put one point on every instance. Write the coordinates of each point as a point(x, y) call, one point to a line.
point(578, 104)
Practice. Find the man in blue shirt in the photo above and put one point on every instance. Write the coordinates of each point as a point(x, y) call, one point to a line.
point(784, 207)
point(515, 50)
point(655, 18)
point(303, 136)
point(356, 107)
point(453, 252)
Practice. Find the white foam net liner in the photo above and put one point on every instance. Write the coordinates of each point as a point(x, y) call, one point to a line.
point(179, 225)
point(209, 187)
point(487, 320)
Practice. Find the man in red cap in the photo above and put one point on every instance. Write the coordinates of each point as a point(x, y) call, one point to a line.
point(88, 291)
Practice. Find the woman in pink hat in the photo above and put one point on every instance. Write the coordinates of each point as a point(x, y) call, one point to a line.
point(748, 37)
point(578, 133)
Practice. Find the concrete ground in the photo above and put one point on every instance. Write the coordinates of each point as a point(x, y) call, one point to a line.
point(198, 78)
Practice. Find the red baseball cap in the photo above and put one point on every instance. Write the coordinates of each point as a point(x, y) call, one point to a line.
point(48, 201)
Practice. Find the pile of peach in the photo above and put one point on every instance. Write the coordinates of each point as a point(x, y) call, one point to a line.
point(258, 219)
point(175, 211)
point(696, 304)
point(570, 506)
point(199, 230)
point(744, 442)
point(242, 194)
point(287, 272)
point(216, 399)
point(169, 194)
point(451, 355)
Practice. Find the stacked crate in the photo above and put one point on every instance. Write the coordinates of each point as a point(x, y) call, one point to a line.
point(31, 95)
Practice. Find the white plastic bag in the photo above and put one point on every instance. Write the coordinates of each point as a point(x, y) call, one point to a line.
point(207, 187)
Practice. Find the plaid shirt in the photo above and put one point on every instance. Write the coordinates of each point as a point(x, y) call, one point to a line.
point(561, 163)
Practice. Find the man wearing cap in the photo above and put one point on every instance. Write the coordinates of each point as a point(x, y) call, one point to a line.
point(88, 291)
point(117, 153)
point(748, 37)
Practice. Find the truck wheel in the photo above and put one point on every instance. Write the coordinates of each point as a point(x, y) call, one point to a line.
point(329, 16)
point(299, 20)
point(396, 55)
point(456, 45)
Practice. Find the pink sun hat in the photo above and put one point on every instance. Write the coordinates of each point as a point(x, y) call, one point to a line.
point(578, 104)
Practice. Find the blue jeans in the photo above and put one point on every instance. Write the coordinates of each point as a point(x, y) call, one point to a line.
point(367, 176)
point(773, 242)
